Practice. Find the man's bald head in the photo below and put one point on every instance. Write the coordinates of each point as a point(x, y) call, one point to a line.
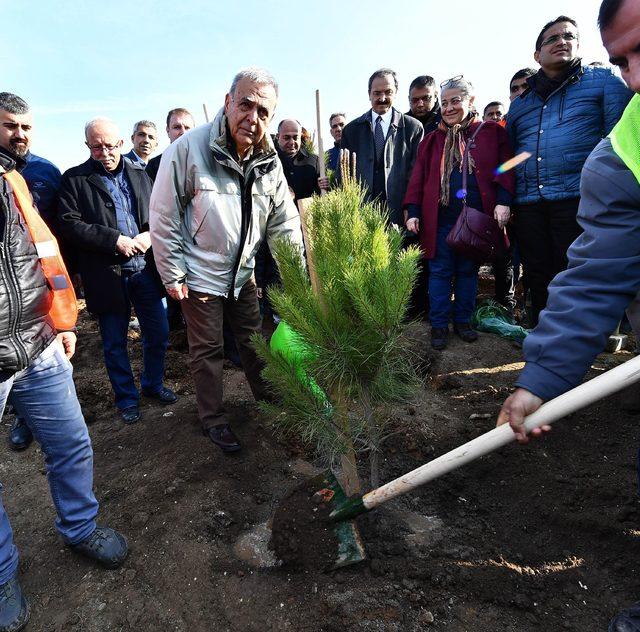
point(289, 136)
point(104, 142)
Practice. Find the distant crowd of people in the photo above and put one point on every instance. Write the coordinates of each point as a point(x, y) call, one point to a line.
point(183, 238)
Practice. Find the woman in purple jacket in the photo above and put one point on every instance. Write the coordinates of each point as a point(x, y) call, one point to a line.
point(434, 201)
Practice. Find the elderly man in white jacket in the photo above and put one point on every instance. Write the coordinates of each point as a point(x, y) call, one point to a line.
point(220, 190)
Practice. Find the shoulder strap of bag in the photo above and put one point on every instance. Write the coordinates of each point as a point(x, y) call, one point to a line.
point(465, 160)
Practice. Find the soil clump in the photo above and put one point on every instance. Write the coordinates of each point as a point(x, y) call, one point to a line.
point(303, 537)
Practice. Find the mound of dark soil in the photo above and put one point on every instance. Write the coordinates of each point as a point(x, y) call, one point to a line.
point(302, 534)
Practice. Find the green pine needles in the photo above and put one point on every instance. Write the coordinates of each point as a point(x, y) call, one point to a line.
point(350, 331)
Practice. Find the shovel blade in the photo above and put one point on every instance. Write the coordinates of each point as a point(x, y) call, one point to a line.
point(350, 546)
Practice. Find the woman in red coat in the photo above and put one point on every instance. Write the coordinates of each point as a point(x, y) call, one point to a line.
point(434, 201)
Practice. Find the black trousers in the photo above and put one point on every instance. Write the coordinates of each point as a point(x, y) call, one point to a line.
point(545, 231)
point(419, 303)
point(504, 275)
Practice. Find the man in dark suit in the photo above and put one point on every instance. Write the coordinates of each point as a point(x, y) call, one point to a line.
point(385, 142)
point(104, 214)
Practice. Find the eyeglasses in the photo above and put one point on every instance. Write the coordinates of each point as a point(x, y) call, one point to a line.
point(456, 78)
point(454, 101)
point(427, 99)
point(98, 149)
point(554, 39)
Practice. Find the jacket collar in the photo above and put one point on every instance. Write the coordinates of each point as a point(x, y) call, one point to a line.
point(573, 77)
point(397, 119)
point(9, 161)
point(263, 158)
point(301, 158)
point(94, 174)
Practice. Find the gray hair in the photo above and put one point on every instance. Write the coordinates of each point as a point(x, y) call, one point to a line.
point(342, 114)
point(458, 83)
point(144, 123)
point(13, 104)
point(96, 121)
point(255, 75)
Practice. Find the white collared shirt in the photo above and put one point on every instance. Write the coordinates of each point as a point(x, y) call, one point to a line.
point(384, 123)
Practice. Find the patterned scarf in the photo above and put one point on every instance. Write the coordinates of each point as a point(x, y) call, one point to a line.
point(453, 152)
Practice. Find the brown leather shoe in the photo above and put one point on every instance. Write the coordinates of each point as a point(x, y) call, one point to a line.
point(223, 437)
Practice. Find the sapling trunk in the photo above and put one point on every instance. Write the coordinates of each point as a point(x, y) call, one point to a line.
point(374, 436)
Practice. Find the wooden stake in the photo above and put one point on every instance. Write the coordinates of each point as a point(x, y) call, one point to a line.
point(303, 207)
point(320, 145)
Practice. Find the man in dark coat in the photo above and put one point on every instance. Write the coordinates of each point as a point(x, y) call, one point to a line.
point(337, 121)
point(104, 213)
point(423, 102)
point(302, 171)
point(385, 142)
point(301, 168)
point(179, 121)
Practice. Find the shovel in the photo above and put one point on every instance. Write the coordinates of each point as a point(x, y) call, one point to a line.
point(344, 509)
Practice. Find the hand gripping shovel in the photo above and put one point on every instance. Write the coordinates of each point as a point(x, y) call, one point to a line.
point(345, 509)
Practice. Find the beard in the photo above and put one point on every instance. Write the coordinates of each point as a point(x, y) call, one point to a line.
point(20, 149)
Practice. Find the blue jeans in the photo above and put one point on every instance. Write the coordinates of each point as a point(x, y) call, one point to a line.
point(141, 291)
point(448, 271)
point(45, 397)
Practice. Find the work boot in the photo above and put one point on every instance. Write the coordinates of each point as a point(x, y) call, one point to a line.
point(439, 337)
point(626, 621)
point(20, 436)
point(14, 609)
point(465, 332)
point(104, 545)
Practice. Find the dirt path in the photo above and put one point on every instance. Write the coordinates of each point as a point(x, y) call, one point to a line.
point(536, 538)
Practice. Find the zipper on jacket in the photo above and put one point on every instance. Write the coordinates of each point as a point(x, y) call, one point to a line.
point(562, 99)
point(246, 208)
point(13, 287)
point(538, 150)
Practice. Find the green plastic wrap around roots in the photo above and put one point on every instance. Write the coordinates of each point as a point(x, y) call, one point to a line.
point(495, 319)
point(291, 346)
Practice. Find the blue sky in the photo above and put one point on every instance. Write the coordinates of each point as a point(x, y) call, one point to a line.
point(131, 60)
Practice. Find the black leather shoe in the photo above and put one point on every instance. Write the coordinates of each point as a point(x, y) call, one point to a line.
point(223, 437)
point(106, 546)
point(465, 332)
point(14, 609)
point(164, 396)
point(20, 436)
point(130, 415)
point(439, 337)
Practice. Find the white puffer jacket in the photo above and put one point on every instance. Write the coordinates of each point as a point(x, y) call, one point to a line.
point(208, 216)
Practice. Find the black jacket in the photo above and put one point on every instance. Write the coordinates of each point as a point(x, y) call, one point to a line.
point(430, 121)
point(25, 326)
point(302, 173)
point(152, 167)
point(87, 220)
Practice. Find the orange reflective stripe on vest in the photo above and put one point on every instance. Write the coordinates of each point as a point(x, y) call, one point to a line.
point(64, 307)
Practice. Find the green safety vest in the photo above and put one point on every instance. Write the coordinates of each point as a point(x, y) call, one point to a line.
point(625, 137)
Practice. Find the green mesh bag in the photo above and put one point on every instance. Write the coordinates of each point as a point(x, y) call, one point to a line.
point(493, 318)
